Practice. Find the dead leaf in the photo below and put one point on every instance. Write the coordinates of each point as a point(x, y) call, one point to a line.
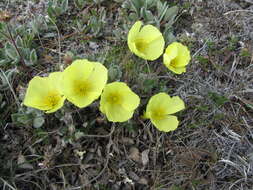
point(127, 141)
point(143, 181)
point(133, 176)
point(144, 157)
point(23, 163)
point(134, 154)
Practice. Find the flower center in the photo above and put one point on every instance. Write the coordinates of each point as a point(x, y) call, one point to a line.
point(159, 114)
point(141, 45)
point(52, 99)
point(114, 99)
point(81, 87)
point(173, 63)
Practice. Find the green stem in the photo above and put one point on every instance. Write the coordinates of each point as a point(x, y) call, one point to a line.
point(15, 45)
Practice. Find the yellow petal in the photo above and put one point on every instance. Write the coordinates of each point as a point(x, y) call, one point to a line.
point(98, 77)
point(149, 33)
point(176, 57)
point(159, 101)
point(42, 94)
point(162, 104)
point(134, 31)
point(146, 42)
point(116, 113)
point(83, 101)
point(170, 54)
point(83, 82)
point(132, 46)
point(118, 102)
point(78, 70)
point(183, 57)
point(56, 80)
point(177, 70)
point(130, 100)
point(37, 90)
point(154, 49)
point(175, 104)
point(170, 123)
point(154, 42)
point(57, 106)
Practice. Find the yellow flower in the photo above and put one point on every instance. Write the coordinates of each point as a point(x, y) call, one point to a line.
point(118, 102)
point(176, 57)
point(146, 42)
point(44, 93)
point(83, 82)
point(159, 110)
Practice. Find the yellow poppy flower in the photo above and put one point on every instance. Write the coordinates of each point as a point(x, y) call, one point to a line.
point(176, 57)
point(118, 102)
point(44, 93)
point(83, 82)
point(146, 42)
point(159, 110)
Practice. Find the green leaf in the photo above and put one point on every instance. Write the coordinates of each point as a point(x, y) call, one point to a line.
point(26, 53)
point(33, 57)
point(146, 14)
point(5, 61)
point(171, 13)
point(24, 119)
point(34, 26)
point(19, 42)
point(136, 5)
point(28, 39)
point(50, 10)
point(169, 37)
point(175, 187)
point(218, 99)
point(162, 10)
point(79, 4)
point(79, 134)
point(11, 51)
point(1, 25)
point(114, 72)
point(38, 122)
point(150, 3)
point(159, 6)
point(126, 5)
point(64, 6)
point(58, 11)
point(133, 16)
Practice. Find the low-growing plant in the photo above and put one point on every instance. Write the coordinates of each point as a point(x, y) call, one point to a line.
point(56, 8)
point(155, 12)
point(19, 45)
point(82, 82)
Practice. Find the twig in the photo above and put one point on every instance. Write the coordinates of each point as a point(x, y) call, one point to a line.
point(234, 11)
point(101, 136)
point(146, 62)
point(14, 43)
point(59, 40)
point(12, 90)
point(5, 183)
point(200, 49)
point(108, 147)
point(45, 169)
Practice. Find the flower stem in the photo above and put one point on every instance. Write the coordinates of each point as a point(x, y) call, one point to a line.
point(15, 45)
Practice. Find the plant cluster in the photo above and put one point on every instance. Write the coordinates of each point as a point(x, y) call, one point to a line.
point(82, 82)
